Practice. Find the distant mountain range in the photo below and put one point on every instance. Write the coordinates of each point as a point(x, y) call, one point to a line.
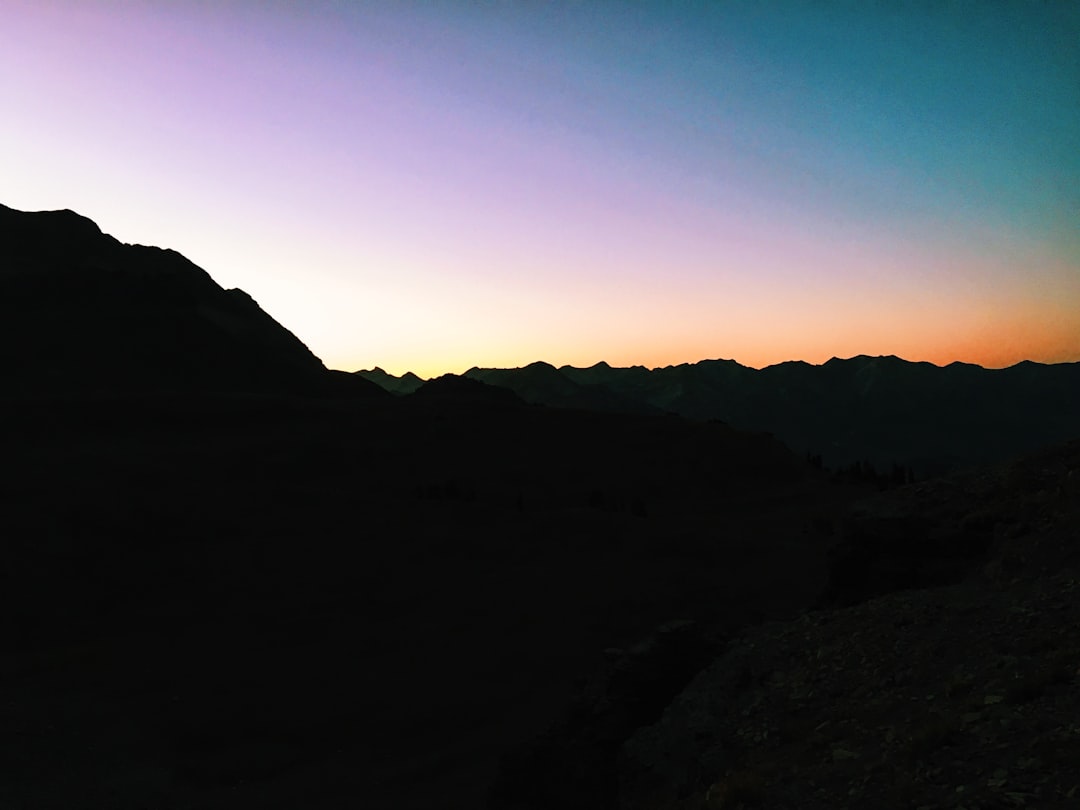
point(81, 312)
point(881, 410)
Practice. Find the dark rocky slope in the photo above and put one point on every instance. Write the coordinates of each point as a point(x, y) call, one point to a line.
point(961, 696)
point(80, 312)
point(276, 602)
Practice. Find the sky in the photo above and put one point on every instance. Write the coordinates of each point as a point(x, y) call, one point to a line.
point(440, 185)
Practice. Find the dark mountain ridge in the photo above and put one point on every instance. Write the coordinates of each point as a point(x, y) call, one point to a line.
point(877, 410)
point(542, 384)
point(405, 384)
point(83, 312)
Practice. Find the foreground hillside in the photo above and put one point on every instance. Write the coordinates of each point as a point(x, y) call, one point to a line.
point(963, 696)
point(251, 602)
point(951, 678)
point(236, 601)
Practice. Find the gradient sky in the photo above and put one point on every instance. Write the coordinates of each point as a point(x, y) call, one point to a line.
point(432, 186)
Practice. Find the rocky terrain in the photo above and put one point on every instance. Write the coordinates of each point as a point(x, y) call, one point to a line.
point(964, 695)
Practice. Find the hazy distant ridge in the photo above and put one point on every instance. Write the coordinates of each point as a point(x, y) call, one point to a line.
point(405, 384)
point(878, 409)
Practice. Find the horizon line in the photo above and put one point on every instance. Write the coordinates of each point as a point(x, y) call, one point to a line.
point(1026, 361)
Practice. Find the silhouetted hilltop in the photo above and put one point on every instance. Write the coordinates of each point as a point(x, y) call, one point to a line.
point(81, 312)
point(452, 389)
point(405, 384)
point(541, 383)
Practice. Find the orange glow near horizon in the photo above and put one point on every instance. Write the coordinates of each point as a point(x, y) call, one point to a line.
point(431, 187)
point(992, 346)
point(991, 326)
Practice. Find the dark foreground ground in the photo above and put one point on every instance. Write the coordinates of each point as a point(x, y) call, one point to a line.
point(269, 602)
point(961, 696)
point(234, 602)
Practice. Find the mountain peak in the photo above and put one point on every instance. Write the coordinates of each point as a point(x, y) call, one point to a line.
point(539, 365)
point(460, 390)
point(130, 318)
point(407, 383)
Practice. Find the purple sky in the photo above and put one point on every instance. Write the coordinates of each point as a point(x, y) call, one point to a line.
point(432, 186)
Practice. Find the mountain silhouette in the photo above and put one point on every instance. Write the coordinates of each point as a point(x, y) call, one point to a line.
point(542, 384)
point(871, 411)
point(452, 389)
point(405, 384)
point(234, 579)
point(82, 312)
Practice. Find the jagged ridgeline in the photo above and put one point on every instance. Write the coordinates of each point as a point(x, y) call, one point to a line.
point(81, 312)
point(864, 417)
